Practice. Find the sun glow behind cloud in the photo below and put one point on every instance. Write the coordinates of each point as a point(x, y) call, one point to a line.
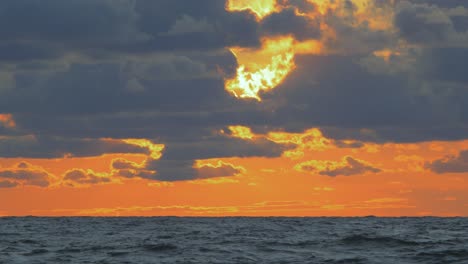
point(260, 8)
point(154, 149)
point(291, 139)
point(262, 70)
point(7, 120)
point(254, 75)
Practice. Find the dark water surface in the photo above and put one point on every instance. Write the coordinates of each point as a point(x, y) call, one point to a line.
point(234, 240)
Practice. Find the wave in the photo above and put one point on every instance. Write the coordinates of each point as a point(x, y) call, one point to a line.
point(38, 251)
point(377, 240)
point(117, 253)
point(29, 241)
point(355, 260)
point(304, 243)
point(460, 253)
point(234, 240)
point(9, 234)
point(159, 247)
point(85, 249)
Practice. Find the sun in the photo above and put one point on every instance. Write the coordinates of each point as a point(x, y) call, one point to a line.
point(262, 70)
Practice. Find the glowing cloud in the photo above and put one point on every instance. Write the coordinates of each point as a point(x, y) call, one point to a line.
point(261, 8)
point(347, 167)
point(7, 120)
point(262, 70)
point(154, 149)
point(241, 132)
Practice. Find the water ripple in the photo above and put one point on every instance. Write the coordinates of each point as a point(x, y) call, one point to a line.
point(234, 240)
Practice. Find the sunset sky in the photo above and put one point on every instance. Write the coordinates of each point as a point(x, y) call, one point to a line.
point(234, 108)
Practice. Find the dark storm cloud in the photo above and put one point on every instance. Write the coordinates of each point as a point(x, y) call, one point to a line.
point(420, 23)
point(179, 170)
point(222, 147)
point(342, 93)
point(433, 22)
point(24, 51)
point(179, 158)
point(79, 19)
point(441, 3)
point(38, 29)
point(287, 22)
point(221, 28)
point(172, 170)
point(450, 164)
point(47, 29)
point(95, 88)
point(446, 64)
point(349, 102)
point(57, 147)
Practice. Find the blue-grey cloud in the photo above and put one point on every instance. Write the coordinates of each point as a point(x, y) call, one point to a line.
point(24, 174)
point(58, 147)
point(349, 167)
point(8, 184)
point(82, 177)
point(450, 164)
point(287, 22)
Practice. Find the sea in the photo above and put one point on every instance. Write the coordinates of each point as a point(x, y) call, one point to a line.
point(233, 240)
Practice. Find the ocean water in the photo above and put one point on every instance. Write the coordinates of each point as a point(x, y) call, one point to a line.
point(234, 240)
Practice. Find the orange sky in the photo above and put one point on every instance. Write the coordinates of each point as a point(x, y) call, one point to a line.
point(265, 187)
point(319, 176)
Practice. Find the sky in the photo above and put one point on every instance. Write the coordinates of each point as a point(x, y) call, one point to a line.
point(234, 108)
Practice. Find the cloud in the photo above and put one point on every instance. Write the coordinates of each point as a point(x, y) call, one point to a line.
point(432, 23)
point(8, 184)
point(58, 147)
point(80, 177)
point(217, 169)
point(441, 3)
point(450, 164)
point(48, 33)
point(421, 23)
point(7, 121)
point(123, 164)
point(187, 24)
point(304, 6)
point(349, 166)
point(173, 170)
point(179, 170)
point(179, 158)
point(446, 64)
point(25, 174)
point(128, 169)
point(287, 22)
